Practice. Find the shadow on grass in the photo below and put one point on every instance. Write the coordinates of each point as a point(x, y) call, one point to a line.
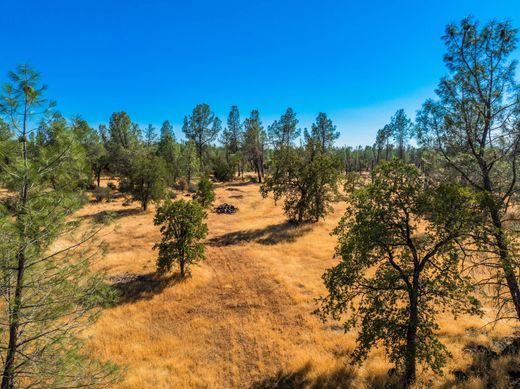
point(301, 378)
point(239, 183)
point(340, 378)
point(270, 235)
point(108, 216)
point(136, 287)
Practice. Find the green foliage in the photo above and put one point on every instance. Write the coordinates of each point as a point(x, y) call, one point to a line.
point(52, 138)
point(474, 127)
point(254, 143)
point(232, 134)
point(188, 161)
point(400, 254)
point(306, 179)
point(324, 132)
point(50, 293)
point(401, 129)
point(182, 230)
point(146, 178)
point(205, 194)
point(169, 150)
point(122, 139)
point(283, 133)
point(222, 169)
point(202, 127)
point(95, 151)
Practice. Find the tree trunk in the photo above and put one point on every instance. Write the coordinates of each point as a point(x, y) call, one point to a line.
point(181, 263)
point(144, 203)
point(258, 171)
point(98, 178)
point(501, 243)
point(14, 317)
point(411, 340)
point(505, 260)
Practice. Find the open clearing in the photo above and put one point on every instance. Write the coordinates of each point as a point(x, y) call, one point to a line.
point(244, 319)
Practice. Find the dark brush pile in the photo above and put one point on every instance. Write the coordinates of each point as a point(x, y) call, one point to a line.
point(226, 208)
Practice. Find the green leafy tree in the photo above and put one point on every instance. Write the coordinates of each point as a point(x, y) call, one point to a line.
point(399, 250)
point(205, 194)
point(146, 178)
point(49, 292)
point(474, 126)
point(202, 127)
point(306, 179)
point(183, 229)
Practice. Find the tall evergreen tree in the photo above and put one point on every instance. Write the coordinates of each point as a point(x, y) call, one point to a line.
point(254, 141)
point(475, 127)
point(402, 130)
point(169, 150)
point(232, 134)
point(202, 127)
point(150, 135)
point(50, 293)
point(123, 137)
point(284, 132)
point(324, 132)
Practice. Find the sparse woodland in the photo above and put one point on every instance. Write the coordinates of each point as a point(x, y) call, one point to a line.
point(391, 265)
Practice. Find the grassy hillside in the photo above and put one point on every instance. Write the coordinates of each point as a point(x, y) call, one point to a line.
point(244, 318)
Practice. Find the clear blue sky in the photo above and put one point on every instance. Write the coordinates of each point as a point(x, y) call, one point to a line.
point(359, 61)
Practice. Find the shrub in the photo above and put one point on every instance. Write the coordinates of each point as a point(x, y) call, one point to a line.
point(101, 194)
point(222, 171)
point(205, 194)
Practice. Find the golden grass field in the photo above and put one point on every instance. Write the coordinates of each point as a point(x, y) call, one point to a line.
point(243, 320)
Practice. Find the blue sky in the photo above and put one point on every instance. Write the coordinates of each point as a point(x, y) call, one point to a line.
point(358, 61)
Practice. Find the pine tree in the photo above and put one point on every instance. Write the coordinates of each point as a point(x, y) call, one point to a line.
point(202, 127)
point(284, 132)
point(254, 142)
point(169, 150)
point(50, 293)
point(402, 130)
point(474, 127)
point(324, 132)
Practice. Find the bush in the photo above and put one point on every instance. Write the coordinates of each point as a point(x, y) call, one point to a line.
point(222, 170)
point(205, 194)
point(101, 194)
point(181, 184)
point(111, 186)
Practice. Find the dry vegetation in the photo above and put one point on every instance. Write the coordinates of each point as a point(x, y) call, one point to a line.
point(244, 318)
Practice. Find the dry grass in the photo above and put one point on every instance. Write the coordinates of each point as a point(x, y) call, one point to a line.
point(244, 318)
